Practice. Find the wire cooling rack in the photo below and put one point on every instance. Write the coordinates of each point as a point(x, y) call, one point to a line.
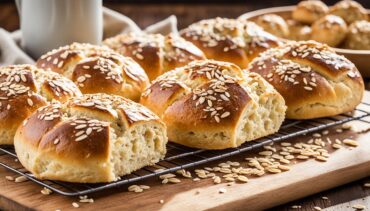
point(180, 157)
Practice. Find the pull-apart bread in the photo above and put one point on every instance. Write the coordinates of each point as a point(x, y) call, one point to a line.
point(23, 89)
point(229, 40)
point(314, 80)
point(97, 69)
point(156, 53)
point(90, 139)
point(214, 105)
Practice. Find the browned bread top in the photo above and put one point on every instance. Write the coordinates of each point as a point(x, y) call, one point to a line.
point(154, 52)
point(236, 41)
point(313, 79)
point(88, 65)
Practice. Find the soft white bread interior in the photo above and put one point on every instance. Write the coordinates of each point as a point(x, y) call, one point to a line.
point(90, 139)
point(214, 105)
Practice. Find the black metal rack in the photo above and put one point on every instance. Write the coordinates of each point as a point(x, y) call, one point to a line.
point(180, 157)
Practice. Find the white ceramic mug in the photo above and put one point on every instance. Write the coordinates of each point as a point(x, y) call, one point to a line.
point(49, 24)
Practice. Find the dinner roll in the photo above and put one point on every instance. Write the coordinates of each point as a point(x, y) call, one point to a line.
point(23, 89)
point(309, 11)
point(214, 105)
point(330, 29)
point(236, 41)
point(97, 69)
point(359, 36)
point(90, 139)
point(298, 31)
point(154, 52)
point(349, 10)
point(273, 24)
point(312, 78)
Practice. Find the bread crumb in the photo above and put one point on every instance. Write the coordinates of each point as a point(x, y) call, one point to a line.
point(46, 191)
point(10, 178)
point(161, 201)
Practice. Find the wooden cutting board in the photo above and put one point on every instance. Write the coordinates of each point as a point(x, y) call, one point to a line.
point(304, 178)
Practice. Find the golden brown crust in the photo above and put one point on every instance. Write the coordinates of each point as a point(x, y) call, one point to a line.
point(330, 29)
point(312, 78)
point(236, 41)
point(88, 65)
point(349, 10)
point(203, 103)
point(309, 11)
point(154, 52)
point(273, 24)
point(23, 89)
point(358, 36)
point(80, 133)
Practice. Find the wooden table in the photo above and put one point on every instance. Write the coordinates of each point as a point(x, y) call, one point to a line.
point(186, 15)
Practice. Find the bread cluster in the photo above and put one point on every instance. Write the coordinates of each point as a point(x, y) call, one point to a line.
point(313, 20)
point(97, 69)
point(90, 139)
point(214, 105)
point(156, 53)
point(230, 40)
point(23, 89)
point(314, 81)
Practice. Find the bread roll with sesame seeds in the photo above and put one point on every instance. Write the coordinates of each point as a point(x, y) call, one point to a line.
point(214, 105)
point(349, 10)
point(273, 24)
point(230, 40)
point(156, 53)
point(358, 36)
point(90, 139)
point(97, 69)
point(314, 80)
point(330, 29)
point(23, 89)
point(309, 11)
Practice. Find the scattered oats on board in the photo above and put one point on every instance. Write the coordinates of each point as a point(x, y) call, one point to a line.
point(46, 191)
point(325, 198)
point(21, 179)
point(161, 201)
point(10, 178)
point(75, 205)
point(317, 208)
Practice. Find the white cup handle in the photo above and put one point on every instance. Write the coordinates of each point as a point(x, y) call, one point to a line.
point(18, 3)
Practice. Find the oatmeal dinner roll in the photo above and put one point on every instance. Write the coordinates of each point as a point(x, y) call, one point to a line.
point(90, 139)
point(97, 69)
point(359, 36)
point(349, 10)
point(154, 52)
point(230, 40)
point(309, 11)
point(298, 31)
point(214, 105)
point(330, 29)
point(273, 24)
point(23, 89)
point(312, 78)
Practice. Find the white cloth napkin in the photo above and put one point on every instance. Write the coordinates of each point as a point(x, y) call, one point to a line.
point(115, 23)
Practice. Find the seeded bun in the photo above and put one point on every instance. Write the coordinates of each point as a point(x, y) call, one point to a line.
point(349, 10)
point(213, 105)
point(358, 36)
point(314, 81)
point(90, 139)
point(156, 53)
point(330, 29)
point(309, 11)
point(97, 69)
point(230, 40)
point(273, 24)
point(298, 31)
point(23, 89)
